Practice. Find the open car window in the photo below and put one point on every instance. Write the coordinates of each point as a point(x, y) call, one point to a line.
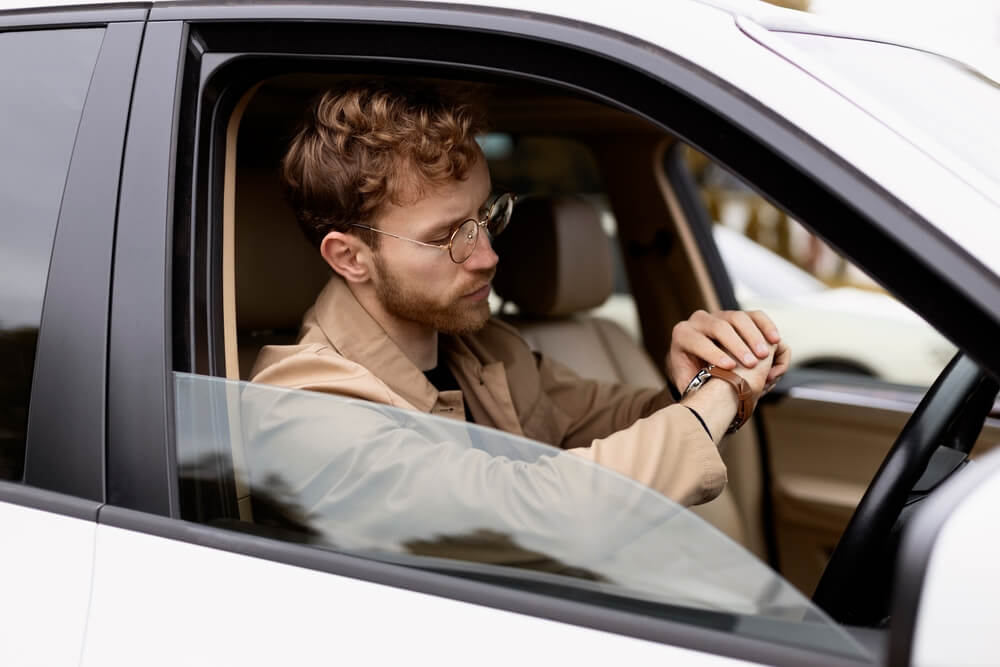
point(832, 314)
point(438, 494)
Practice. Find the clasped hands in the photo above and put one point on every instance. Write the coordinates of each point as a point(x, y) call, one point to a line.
point(746, 343)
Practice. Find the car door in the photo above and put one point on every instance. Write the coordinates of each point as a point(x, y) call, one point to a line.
point(861, 360)
point(66, 79)
point(178, 545)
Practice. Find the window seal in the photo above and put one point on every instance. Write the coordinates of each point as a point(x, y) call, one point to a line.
point(49, 501)
point(701, 225)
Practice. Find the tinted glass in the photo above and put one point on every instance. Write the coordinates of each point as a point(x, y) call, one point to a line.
point(44, 76)
point(431, 493)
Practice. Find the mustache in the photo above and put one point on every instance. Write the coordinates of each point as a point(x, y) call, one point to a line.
point(481, 278)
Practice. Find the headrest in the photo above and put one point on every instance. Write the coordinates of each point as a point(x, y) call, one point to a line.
point(278, 272)
point(555, 259)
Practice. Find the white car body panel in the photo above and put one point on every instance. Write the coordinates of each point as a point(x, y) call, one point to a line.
point(958, 617)
point(219, 608)
point(892, 119)
point(45, 582)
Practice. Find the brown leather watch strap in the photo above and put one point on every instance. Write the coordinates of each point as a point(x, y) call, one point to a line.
point(744, 395)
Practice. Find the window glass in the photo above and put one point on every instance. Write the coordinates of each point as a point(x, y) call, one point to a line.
point(44, 76)
point(417, 490)
point(831, 313)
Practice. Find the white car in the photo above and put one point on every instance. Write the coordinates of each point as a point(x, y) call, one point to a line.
point(156, 508)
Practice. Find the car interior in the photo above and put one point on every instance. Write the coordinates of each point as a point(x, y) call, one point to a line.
point(795, 473)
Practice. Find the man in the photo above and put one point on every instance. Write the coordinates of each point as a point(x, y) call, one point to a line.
point(390, 185)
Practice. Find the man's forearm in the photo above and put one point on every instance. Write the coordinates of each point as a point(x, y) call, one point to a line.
point(716, 403)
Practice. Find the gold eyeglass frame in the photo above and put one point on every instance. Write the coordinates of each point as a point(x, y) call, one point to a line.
point(480, 225)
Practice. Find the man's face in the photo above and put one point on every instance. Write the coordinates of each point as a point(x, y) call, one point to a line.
point(424, 285)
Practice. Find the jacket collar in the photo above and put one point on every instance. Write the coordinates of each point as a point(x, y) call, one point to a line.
point(357, 336)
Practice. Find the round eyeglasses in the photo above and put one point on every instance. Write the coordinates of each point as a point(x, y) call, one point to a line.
point(462, 241)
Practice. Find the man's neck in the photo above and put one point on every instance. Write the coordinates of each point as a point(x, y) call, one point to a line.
point(417, 341)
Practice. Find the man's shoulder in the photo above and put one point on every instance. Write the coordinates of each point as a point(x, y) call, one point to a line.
point(316, 366)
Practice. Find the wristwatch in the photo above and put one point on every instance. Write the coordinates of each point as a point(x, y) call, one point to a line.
point(744, 394)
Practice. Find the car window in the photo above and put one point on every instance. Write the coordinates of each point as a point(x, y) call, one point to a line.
point(417, 490)
point(831, 313)
point(44, 76)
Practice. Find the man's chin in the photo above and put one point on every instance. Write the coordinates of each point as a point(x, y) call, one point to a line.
point(464, 325)
point(459, 319)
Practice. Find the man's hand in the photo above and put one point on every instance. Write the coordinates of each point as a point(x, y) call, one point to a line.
point(729, 339)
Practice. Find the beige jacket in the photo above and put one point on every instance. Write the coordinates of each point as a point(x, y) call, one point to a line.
point(636, 432)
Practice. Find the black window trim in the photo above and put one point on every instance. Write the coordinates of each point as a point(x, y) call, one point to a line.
point(139, 462)
point(783, 147)
point(701, 224)
point(49, 501)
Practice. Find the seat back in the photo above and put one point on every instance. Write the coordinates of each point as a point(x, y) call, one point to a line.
point(557, 263)
point(278, 272)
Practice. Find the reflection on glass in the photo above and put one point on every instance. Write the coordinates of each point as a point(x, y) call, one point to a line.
point(441, 494)
point(44, 76)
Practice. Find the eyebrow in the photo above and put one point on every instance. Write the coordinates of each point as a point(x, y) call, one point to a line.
point(442, 228)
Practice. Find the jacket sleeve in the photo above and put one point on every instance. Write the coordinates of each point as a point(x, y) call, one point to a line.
point(639, 433)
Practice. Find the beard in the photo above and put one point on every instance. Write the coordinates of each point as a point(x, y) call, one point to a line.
point(453, 315)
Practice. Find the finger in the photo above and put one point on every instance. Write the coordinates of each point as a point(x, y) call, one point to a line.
point(749, 331)
point(765, 325)
point(691, 341)
point(782, 361)
point(728, 339)
point(682, 368)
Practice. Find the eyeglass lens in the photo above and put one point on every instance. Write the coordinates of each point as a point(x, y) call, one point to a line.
point(465, 241)
point(467, 234)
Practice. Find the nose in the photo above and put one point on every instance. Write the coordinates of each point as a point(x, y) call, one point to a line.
point(483, 257)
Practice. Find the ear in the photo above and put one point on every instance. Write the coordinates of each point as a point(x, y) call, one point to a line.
point(348, 255)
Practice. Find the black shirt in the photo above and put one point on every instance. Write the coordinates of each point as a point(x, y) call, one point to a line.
point(444, 380)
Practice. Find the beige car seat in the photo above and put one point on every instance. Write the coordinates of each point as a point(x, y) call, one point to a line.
point(278, 272)
point(556, 264)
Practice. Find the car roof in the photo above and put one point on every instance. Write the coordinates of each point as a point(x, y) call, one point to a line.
point(764, 13)
point(733, 43)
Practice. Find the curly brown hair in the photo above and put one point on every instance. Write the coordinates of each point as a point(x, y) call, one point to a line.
point(364, 144)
